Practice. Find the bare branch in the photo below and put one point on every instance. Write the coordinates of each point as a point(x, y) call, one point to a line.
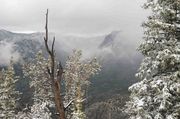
point(46, 26)
point(55, 83)
point(52, 48)
point(68, 104)
point(46, 38)
point(59, 71)
point(48, 70)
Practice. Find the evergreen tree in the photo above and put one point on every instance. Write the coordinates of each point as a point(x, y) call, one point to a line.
point(77, 73)
point(38, 110)
point(8, 94)
point(37, 74)
point(157, 95)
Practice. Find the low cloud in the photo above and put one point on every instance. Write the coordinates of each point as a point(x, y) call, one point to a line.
point(7, 52)
point(87, 17)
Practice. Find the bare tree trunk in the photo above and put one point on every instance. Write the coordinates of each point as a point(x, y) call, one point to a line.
point(55, 75)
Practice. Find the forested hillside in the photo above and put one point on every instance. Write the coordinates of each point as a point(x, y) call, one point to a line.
point(102, 75)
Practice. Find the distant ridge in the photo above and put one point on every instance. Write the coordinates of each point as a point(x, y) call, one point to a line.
point(109, 39)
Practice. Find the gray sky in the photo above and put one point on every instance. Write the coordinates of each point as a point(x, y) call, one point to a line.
point(85, 17)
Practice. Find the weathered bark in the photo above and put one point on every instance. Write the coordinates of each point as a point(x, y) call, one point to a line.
point(55, 75)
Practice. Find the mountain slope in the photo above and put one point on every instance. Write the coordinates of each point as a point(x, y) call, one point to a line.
point(115, 52)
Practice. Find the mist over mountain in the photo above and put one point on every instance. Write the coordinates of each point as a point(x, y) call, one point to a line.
point(25, 45)
point(116, 54)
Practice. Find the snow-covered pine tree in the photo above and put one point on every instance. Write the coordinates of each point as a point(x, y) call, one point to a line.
point(8, 94)
point(157, 95)
point(77, 73)
point(36, 72)
point(39, 110)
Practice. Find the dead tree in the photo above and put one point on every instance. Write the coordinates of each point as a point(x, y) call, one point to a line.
point(55, 74)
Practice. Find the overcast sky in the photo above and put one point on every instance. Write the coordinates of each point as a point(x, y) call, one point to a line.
point(86, 17)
